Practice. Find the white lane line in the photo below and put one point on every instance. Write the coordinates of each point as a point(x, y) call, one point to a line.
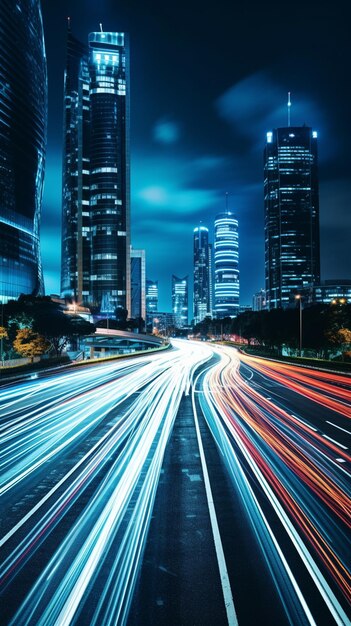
point(225, 582)
point(337, 443)
point(304, 423)
point(341, 460)
point(339, 427)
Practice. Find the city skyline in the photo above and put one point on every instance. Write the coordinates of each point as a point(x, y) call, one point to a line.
point(181, 169)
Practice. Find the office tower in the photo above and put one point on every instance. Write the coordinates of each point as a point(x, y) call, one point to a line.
point(76, 240)
point(151, 297)
point(137, 282)
point(162, 322)
point(259, 300)
point(332, 291)
point(23, 119)
point(291, 205)
point(226, 264)
point(202, 274)
point(180, 300)
point(96, 187)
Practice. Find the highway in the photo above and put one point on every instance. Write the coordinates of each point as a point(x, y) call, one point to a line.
point(173, 488)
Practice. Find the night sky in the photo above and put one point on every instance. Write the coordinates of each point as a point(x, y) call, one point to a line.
point(207, 83)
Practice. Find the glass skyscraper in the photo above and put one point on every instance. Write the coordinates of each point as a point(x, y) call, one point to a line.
point(96, 185)
point(202, 274)
point(137, 281)
point(226, 265)
point(180, 300)
point(76, 239)
point(23, 119)
point(291, 202)
point(151, 300)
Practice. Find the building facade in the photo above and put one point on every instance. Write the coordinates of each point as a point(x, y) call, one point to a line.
point(259, 300)
point(137, 284)
point(326, 292)
point(226, 265)
point(76, 236)
point(23, 121)
point(180, 300)
point(202, 275)
point(151, 296)
point(291, 202)
point(96, 178)
point(162, 322)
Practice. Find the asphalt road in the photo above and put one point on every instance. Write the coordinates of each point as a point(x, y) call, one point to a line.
point(192, 487)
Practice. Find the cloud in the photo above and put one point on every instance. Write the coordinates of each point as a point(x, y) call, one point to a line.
point(166, 131)
point(258, 103)
point(177, 200)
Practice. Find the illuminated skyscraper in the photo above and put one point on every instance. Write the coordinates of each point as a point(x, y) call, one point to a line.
point(291, 200)
point(76, 239)
point(202, 274)
point(137, 282)
point(23, 119)
point(96, 186)
point(226, 263)
point(151, 296)
point(180, 300)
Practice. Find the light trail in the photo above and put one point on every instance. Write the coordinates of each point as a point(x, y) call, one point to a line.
point(81, 456)
point(102, 548)
point(293, 463)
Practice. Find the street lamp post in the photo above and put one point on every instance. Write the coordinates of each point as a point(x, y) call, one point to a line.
point(299, 298)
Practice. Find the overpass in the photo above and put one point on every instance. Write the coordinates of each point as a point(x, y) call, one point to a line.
point(108, 342)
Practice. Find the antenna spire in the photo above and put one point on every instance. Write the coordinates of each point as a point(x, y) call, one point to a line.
point(289, 107)
point(226, 202)
point(69, 23)
point(101, 29)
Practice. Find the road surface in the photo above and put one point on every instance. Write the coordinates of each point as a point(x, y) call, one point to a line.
point(192, 486)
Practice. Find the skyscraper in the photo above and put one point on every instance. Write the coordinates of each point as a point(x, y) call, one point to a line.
point(96, 187)
point(137, 282)
point(76, 236)
point(291, 203)
point(180, 300)
point(226, 263)
point(202, 274)
point(151, 297)
point(23, 119)
point(259, 300)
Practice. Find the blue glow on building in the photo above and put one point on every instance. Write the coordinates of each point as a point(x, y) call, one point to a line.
point(23, 120)
point(96, 266)
point(202, 274)
point(291, 201)
point(180, 300)
point(226, 265)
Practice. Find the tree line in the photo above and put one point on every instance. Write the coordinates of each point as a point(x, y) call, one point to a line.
point(325, 328)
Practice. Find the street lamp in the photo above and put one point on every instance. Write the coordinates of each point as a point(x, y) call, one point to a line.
point(299, 298)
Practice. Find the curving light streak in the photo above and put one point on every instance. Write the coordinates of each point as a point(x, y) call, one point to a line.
point(292, 462)
point(109, 533)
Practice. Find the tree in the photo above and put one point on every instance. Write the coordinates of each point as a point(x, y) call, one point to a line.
point(29, 343)
point(340, 337)
point(3, 333)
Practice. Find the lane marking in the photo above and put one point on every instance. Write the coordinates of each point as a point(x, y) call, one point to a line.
point(227, 592)
point(337, 443)
point(339, 427)
point(304, 423)
point(341, 460)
